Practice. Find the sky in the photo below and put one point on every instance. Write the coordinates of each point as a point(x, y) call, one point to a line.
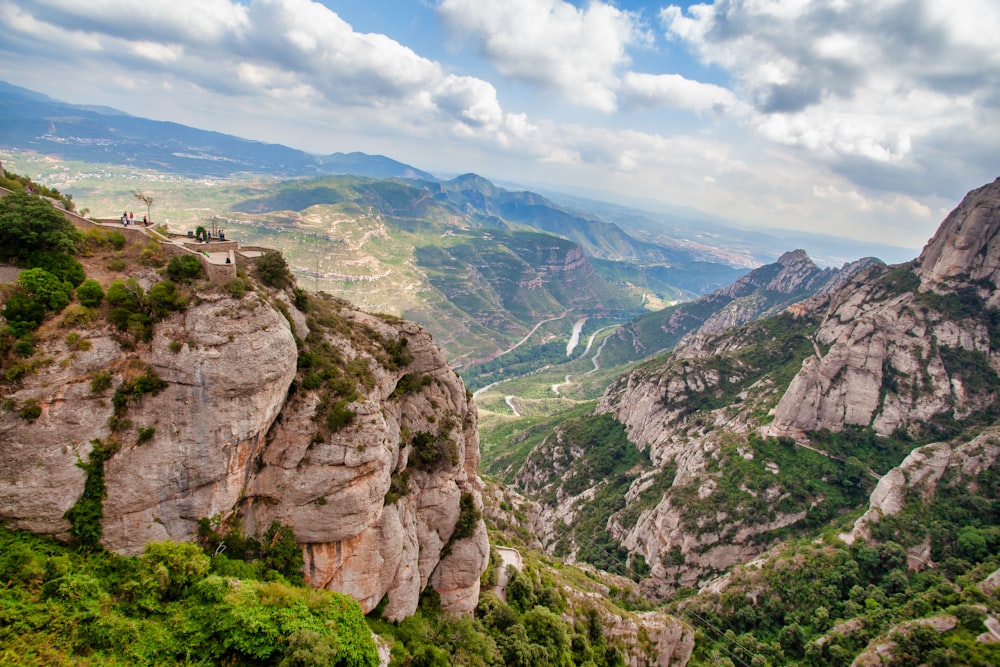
point(863, 119)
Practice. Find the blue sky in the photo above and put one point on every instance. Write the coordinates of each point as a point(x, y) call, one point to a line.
point(865, 119)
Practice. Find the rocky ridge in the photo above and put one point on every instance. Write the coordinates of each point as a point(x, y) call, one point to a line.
point(907, 351)
point(765, 291)
point(232, 433)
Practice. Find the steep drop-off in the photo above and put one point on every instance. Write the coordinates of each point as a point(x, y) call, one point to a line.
point(347, 427)
point(764, 430)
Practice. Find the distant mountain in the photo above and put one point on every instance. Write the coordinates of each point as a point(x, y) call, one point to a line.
point(764, 291)
point(32, 121)
point(504, 259)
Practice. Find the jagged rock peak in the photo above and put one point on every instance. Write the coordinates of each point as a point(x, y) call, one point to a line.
point(793, 257)
point(968, 241)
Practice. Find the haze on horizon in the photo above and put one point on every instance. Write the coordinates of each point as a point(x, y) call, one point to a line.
point(867, 120)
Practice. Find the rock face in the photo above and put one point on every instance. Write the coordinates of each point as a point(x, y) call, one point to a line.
point(968, 242)
point(229, 438)
point(920, 473)
point(906, 346)
point(907, 350)
point(767, 290)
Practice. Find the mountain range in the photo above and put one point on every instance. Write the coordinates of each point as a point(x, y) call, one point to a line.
point(797, 467)
point(32, 121)
point(756, 463)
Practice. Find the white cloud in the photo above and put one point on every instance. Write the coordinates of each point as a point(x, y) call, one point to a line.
point(274, 48)
point(551, 43)
point(858, 82)
point(834, 115)
point(645, 91)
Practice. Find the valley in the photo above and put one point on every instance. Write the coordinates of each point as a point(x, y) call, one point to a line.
point(683, 450)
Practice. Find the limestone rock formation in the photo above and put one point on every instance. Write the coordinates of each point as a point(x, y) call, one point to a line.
point(968, 242)
point(767, 290)
point(920, 473)
point(904, 350)
point(231, 433)
point(905, 346)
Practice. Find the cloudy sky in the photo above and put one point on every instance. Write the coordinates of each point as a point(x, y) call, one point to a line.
point(863, 118)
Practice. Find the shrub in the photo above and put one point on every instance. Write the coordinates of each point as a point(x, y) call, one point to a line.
point(100, 383)
point(176, 565)
point(45, 288)
point(144, 434)
point(237, 287)
point(339, 415)
point(61, 266)
point(24, 346)
point(272, 270)
point(152, 255)
point(301, 300)
point(90, 293)
point(23, 313)
point(184, 268)
point(75, 315)
point(29, 224)
point(31, 411)
point(164, 298)
point(116, 239)
point(85, 515)
point(129, 392)
point(76, 342)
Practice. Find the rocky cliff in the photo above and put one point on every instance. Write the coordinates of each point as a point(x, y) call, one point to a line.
point(766, 290)
point(842, 384)
point(908, 348)
point(348, 427)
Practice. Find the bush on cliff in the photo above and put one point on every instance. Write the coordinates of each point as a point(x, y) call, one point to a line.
point(59, 606)
point(30, 224)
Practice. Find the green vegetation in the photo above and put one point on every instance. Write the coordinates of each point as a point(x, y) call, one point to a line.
point(22, 184)
point(530, 630)
point(272, 270)
point(135, 311)
point(762, 478)
point(900, 279)
point(323, 368)
point(36, 293)
point(184, 268)
point(85, 515)
point(275, 554)
point(774, 347)
point(171, 606)
point(30, 224)
point(821, 604)
point(90, 293)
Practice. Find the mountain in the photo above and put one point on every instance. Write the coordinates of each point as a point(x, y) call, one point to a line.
point(31, 121)
point(226, 436)
point(764, 291)
point(486, 271)
point(242, 408)
point(759, 443)
point(896, 357)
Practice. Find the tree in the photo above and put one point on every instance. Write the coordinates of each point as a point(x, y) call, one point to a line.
point(48, 290)
point(184, 269)
point(145, 199)
point(29, 224)
point(272, 270)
